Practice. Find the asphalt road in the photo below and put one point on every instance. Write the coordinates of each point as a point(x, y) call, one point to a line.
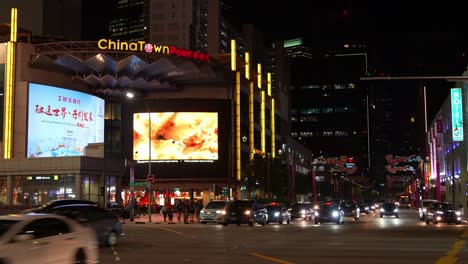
point(370, 240)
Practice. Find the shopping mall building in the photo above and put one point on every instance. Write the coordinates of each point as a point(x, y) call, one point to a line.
point(70, 131)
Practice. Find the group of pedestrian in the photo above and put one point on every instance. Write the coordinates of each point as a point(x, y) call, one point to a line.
point(186, 210)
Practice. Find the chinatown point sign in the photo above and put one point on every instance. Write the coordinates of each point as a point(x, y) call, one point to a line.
point(457, 114)
point(141, 46)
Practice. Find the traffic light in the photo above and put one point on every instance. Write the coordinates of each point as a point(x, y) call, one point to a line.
point(101, 191)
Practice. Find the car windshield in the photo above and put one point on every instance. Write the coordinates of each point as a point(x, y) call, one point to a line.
point(443, 206)
point(300, 206)
point(347, 204)
point(5, 225)
point(427, 203)
point(328, 206)
point(388, 205)
point(273, 207)
point(216, 205)
point(362, 204)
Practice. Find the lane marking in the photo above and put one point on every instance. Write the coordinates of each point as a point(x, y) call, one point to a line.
point(270, 258)
point(451, 257)
point(116, 254)
point(175, 232)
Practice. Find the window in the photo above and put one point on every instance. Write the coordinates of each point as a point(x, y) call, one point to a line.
point(341, 109)
point(327, 110)
point(309, 111)
point(45, 227)
point(327, 133)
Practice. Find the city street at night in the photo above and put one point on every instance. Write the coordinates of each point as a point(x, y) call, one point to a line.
point(370, 240)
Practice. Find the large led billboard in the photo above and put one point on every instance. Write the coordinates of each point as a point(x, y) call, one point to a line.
point(62, 122)
point(175, 136)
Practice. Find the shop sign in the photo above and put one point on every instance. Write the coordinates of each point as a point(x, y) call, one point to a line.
point(457, 114)
point(140, 46)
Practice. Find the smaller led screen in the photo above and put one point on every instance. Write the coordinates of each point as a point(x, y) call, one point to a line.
point(62, 122)
point(175, 136)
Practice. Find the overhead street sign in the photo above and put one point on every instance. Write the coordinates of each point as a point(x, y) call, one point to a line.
point(139, 184)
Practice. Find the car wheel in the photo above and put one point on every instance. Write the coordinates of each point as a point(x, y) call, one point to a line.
point(435, 222)
point(287, 222)
point(251, 222)
point(381, 215)
point(427, 221)
point(112, 239)
point(203, 222)
point(457, 223)
point(225, 223)
point(316, 222)
point(80, 257)
point(397, 216)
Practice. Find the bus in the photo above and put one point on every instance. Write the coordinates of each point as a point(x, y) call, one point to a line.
point(403, 201)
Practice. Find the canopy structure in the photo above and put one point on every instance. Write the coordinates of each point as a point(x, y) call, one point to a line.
point(111, 72)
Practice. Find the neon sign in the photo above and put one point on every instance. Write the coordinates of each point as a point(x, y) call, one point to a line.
point(140, 46)
point(457, 114)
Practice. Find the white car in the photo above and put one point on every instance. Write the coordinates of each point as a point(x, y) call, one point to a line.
point(424, 205)
point(45, 238)
point(213, 212)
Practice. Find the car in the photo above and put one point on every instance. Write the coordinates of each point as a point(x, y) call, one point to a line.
point(278, 213)
point(328, 212)
point(245, 212)
point(350, 208)
point(372, 205)
point(389, 209)
point(45, 238)
point(364, 207)
point(54, 203)
point(301, 211)
point(107, 226)
point(443, 212)
point(213, 212)
point(424, 205)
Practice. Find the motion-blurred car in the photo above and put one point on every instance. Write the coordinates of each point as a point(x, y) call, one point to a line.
point(301, 211)
point(278, 213)
point(389, 209)
point(350, 208)
point(328, 212)
point(54, 203)
point(443, 212)
point(43, 238)
point(245, 212)
point(213, 212)
point(424, 205)
point(364, 207)
point(107, 226)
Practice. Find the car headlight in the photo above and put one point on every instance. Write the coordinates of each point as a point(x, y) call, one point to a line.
point(366, 208)
point(303, 211)
point(316, 213)
point(424, 210)
point(458, 213)
point(396, 210)
point(335, 213)
point(219, 211)
point(247, 212)
point(382, 210)
point(202, 212)
point(223, 212)
point(439, 212)
point(277, 213)
point(316, 207)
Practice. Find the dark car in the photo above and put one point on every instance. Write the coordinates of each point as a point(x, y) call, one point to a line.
point(301, 211)
point(54, 203)
point(364, 207)
point(389, 208)
point(106, 224)
point(278, 213)
point(350, 208)
point(328, 212)
point(245, 212)
point(443, 212)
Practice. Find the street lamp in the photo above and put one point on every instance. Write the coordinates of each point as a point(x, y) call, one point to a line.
point(131, 95)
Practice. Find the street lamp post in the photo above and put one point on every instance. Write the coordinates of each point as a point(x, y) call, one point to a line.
point(149, 163)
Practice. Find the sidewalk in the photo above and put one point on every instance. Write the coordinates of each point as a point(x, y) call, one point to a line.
point(156, 219)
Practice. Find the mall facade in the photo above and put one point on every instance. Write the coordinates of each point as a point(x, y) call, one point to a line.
point(71, 130)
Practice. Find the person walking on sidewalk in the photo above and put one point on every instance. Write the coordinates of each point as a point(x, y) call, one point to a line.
point(186, 211)
point(164, 212)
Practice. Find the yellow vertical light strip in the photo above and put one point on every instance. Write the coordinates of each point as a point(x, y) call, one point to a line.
point(269, 83)
point(247, 66)
point(8, 109)
point(251, 121)
point(233, 55)
point(259, 75)
point(262, 121)
point(273, 132)
point(238, 126)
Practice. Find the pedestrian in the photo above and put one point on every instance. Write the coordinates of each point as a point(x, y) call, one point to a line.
point(186, 211)
point(191, 211)
point(164, 212)
point(198, 208)
point(169, 212)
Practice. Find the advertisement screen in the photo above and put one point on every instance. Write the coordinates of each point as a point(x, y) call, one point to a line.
point(175, 136)
point(62, 122)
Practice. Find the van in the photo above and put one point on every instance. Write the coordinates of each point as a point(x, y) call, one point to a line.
point(213, 212)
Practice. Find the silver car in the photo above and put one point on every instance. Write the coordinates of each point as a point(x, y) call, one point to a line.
point(213, 212)
point(424, 206)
